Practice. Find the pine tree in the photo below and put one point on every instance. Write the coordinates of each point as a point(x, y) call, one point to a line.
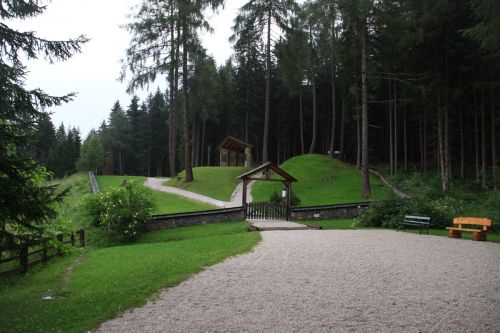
point(26, 205)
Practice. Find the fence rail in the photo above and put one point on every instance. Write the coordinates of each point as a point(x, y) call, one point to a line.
point(93, 182)
point(267, 210)
point(43, 254)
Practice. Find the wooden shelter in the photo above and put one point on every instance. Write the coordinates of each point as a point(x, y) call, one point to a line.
point(263, 173)
point(234, 152)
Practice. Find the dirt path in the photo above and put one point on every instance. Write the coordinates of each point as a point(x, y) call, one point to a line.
point(324, 281)
point(236, 197)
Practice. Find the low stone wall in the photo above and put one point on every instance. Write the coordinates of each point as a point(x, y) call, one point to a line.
point(197, 218)
point(330, 212)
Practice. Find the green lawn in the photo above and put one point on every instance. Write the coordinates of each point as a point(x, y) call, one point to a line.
point(215, 182)
point(94, 286)
point(166, 203)
point(322, 181)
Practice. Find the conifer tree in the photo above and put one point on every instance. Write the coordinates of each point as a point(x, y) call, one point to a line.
point(26, 205)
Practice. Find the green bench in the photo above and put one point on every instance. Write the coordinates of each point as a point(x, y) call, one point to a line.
point(421, 222)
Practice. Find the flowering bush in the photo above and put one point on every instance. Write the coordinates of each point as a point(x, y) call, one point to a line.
point(123, 211)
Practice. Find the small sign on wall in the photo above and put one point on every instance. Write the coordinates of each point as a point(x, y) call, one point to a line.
point(316, 216)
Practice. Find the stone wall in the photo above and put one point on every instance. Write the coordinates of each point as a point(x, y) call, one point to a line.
point(197, 218)
point(330, 212)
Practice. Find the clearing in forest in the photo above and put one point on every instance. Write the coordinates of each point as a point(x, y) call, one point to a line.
point(215, 182)
point(322, 181)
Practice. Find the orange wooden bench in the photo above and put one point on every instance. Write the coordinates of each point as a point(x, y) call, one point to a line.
point(477, 234)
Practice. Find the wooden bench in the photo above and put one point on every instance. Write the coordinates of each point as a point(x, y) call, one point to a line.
point(477, 234)
point(415, 221)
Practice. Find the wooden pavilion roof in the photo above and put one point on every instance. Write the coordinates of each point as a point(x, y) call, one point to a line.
point(268, 166)
point(231, 143)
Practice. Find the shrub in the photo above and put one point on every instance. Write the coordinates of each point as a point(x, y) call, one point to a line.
point(123, 211)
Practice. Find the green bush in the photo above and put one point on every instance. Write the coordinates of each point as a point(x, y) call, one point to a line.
point(389, 213)
point(124, 211)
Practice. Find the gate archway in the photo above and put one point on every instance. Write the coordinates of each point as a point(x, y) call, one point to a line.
point(268, 210)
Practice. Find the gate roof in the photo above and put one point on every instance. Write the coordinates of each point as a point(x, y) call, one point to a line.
point(265, 167)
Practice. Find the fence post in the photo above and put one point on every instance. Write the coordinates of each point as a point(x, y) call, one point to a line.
point(23, 259)
point(72, 239)
point(60, 239)
point(81, 233)
point(44, 254)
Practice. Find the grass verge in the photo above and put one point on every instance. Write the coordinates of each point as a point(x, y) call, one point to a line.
point(322, 181)
point(166, 203)
point(215, 182)
point(101, 284)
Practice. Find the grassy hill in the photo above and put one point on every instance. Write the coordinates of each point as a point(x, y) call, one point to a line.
point(215, 182)
point(322, 181)
point(166, 203)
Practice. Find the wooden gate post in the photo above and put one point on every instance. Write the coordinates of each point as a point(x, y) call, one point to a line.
point(288, 199)
point(244, 197)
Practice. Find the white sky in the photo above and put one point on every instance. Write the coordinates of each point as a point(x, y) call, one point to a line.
point(93, 73)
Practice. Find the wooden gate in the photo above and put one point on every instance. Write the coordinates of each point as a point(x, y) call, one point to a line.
point(267, 210)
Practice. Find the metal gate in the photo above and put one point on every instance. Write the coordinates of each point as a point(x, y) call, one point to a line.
point(266, 210)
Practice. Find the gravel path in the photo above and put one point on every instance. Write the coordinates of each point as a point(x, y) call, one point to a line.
point(323, 281)
point(236, 197)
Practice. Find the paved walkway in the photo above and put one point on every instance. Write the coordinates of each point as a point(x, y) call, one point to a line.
point(335, 281)
point(266, 225)
point(236, 197)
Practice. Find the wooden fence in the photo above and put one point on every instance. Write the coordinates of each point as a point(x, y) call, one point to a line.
point(42, 254)
point(267, 210)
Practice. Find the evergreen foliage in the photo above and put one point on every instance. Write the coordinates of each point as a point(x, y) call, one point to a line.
point(26, 205)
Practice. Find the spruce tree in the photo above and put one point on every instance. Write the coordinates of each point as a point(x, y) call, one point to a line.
point(26, 204)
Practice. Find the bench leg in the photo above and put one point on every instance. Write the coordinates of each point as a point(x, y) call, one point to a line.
point(479, 236)
point(455, 234)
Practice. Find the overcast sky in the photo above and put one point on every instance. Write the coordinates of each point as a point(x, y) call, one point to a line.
point(93, 74)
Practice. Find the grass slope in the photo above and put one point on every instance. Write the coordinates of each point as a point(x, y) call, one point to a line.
point(166, 203)
point(322, 181)
point(101, 284)
point(215, 182)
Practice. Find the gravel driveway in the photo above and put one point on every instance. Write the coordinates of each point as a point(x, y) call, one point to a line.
point(324, 281)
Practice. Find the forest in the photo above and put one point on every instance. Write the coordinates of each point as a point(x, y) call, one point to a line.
point(408, 84)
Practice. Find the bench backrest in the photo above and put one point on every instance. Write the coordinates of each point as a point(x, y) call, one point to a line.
point(472, 221)
point(417, 218)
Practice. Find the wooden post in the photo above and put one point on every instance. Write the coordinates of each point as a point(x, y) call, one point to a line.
point(81, 233)
point(288, 199)
point(244, 196)
point(45, 254)
point(72, 239)
point(60, 239)
point(23, 259)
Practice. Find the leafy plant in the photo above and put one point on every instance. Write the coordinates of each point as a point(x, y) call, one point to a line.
point(124, 211)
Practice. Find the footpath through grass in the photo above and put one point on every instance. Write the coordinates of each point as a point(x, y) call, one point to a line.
point(166, 203)
point(322, 181)
point(92, 287)
point(215, 182)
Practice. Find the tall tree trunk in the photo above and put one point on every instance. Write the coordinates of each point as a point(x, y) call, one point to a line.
point(312, 147)
point(462, 152)
point(342, 129)
point(425, 141)
point(334, 110)
point(447, 160)
point(247, 111)
point(301, 120)
point(203, 143)
point(194, 140)
point(365, 174)
point(441, 146)
point(476, 143)
point(483, 141)
point(265, 141)
point(391, 131)
point(493, 139)
point(405, 145)
point(187, 148)
point(421, 140)
point(395, 129)
point(173, 78)
point(358, 134)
